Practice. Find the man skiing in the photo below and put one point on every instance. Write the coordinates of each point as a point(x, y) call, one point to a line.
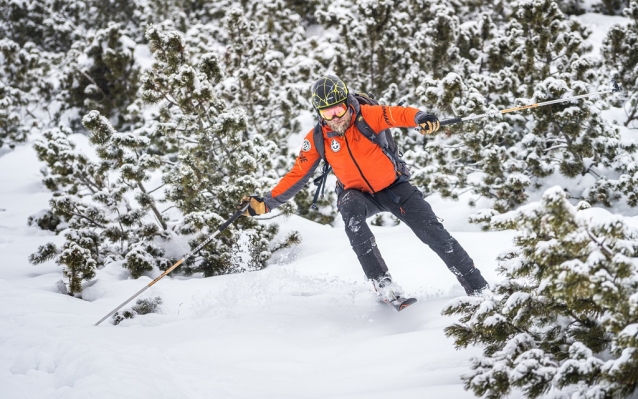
point(369, 182)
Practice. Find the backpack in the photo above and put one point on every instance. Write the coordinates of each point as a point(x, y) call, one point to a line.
point(383, 139)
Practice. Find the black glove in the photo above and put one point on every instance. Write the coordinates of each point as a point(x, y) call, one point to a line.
point(257, 205)
point(429, 123)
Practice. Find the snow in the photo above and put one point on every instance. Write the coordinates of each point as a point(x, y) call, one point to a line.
point(308, 326)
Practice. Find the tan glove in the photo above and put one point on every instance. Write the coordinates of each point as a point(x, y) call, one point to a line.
point(428, 123)
point(257, 206)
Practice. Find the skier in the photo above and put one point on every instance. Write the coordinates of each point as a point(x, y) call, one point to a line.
point(369, 182)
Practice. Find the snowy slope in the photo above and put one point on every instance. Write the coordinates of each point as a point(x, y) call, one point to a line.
point(308, 326)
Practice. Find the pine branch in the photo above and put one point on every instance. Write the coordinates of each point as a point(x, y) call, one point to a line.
point(157, 213)
point(631, 114)
point(172, 206)
point(87, 183)
point(605, 250)
point(155, 189)
point(91, 221)
point(92, 81)
point(188, 140)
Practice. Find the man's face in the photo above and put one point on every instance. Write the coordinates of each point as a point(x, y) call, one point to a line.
point(340, 125)
point(337, 118)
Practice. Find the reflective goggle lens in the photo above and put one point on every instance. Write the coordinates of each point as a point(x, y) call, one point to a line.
point(333, 112)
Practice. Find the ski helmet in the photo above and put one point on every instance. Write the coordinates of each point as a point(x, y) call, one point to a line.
point(328, 91)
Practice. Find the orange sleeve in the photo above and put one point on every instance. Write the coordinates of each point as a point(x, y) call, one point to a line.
point(381, 117)
point(289, 185)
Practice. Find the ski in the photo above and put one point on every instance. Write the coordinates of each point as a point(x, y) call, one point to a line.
point(400, 303)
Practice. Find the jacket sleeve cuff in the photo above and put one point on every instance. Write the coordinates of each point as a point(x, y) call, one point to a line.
point(272, 203)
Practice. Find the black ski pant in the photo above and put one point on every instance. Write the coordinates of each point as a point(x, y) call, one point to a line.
point(405, 202)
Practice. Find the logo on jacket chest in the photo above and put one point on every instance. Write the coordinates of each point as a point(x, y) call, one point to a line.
point(335, 146)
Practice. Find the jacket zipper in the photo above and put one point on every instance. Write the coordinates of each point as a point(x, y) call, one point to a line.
point(357, 165)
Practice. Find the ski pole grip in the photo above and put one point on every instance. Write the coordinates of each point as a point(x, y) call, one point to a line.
point(451, 121)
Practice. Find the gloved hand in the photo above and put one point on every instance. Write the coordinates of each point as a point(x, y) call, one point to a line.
point(256, 207)
point(428, 123)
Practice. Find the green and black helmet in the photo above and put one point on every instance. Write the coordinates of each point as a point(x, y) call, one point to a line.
point(328, 91)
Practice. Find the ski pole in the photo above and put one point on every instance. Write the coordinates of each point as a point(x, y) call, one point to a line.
point(221, 228)
point(452, 121)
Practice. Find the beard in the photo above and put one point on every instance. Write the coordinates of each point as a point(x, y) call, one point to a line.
point(340, 125)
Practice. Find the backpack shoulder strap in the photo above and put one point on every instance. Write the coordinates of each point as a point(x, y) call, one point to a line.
point(320, 182)
point(317, 137)
point(363, 126)
point(356, 99)
point(381, 139)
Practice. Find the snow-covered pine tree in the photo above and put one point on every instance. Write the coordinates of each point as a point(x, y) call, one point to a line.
point(443, 163)
point(475, 83)
point(538, 54)
point(50, 25)
point(620, 55)
point(51, 36)
point(217, 162)
point(126, 155)
point(610, 7)
point(27, 59)
point(255, 80)
point(102, 208)
point(25, 88)
point(374, 50)
point(562, 321)
point(101, 74)
point(439, 37)
point(128, 14)
point(68, 170)
point(275, 19)
point(572, 7)
point(305, 9)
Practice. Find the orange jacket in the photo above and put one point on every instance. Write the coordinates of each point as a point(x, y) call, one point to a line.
point(357, 162)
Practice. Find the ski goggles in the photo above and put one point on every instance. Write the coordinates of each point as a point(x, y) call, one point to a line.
point(337, 111)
